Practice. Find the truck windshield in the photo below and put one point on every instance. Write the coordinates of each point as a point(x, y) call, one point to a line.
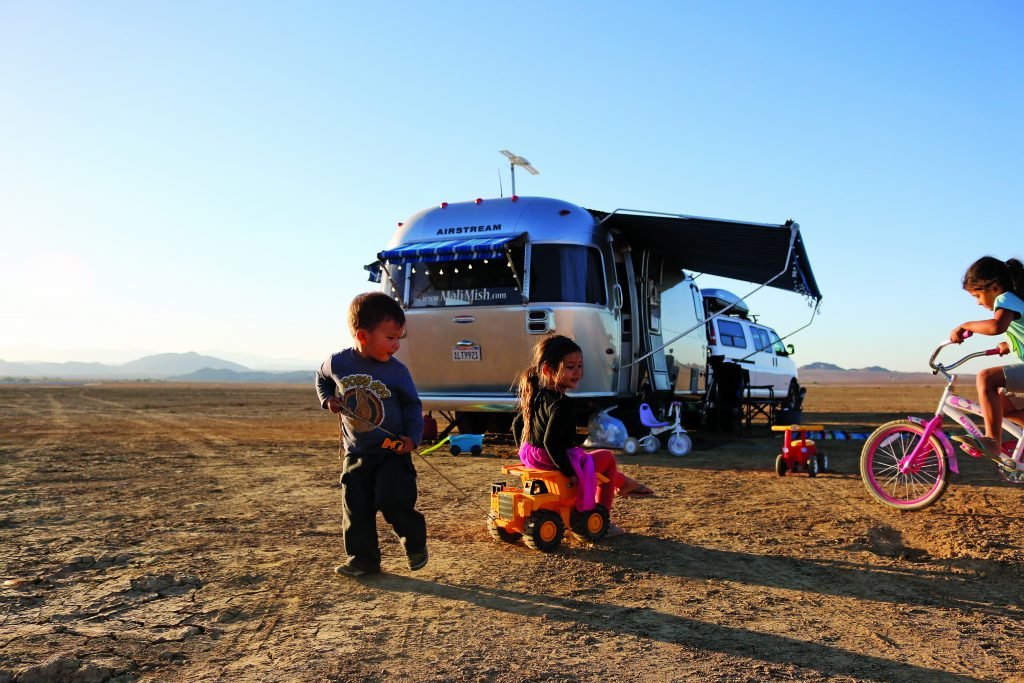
point(476, 282)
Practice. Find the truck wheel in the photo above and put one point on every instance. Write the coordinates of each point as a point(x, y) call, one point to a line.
point(631, 446)
point(499, 533)
point(543, 531)
point(792, 396)
point(780, 465)
point(591, 525)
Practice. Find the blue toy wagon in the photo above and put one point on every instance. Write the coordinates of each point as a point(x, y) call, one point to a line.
point(474, 443)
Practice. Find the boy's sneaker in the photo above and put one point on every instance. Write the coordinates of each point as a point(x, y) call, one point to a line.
point(350, 568)
point(418, 560)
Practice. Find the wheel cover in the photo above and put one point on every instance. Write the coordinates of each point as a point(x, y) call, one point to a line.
point(595, 522)
point(548, 531)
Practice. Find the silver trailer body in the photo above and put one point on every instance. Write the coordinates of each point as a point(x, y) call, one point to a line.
point(483, 281)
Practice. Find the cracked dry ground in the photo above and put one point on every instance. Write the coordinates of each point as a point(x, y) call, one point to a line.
point(183, 532)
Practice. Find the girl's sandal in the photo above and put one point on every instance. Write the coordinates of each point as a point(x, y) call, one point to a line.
point(640, 490)
point(987, 447)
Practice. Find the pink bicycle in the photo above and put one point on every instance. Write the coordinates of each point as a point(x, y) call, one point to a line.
point(906, 464)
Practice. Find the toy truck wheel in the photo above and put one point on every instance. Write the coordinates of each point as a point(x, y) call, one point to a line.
point(650, 443)
point(679, 444)
point(456, 450)
point(499, 533)
point(591, 525)
point(476, 450)
point(822, 461)
point(631, 446)
point(543, 531)
point(780, 465)
point(812, 466)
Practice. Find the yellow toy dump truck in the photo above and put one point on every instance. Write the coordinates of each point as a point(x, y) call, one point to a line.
point(541, 508)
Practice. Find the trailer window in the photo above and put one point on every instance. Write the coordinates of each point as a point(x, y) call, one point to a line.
point(567, 273)
point(731, 334)
point(476, 282)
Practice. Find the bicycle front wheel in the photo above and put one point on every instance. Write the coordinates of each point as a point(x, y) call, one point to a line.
point(921, 484)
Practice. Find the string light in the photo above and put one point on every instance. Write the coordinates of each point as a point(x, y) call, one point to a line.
point(456, 270)
point(413, 270)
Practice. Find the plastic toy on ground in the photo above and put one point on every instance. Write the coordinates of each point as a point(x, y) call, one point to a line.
point(540, 509)
point(678, 444)
point(799, 452)
point(474, 443)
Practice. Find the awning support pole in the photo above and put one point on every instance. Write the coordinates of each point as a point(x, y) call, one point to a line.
point(793, 231)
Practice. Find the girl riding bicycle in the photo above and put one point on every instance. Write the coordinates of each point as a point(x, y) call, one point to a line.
point(999, 287)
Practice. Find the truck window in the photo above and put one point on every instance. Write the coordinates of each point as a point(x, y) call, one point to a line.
point(730, 333)
point(777, 345)
point(474, 282)
point(567, 273)
point(761, 341)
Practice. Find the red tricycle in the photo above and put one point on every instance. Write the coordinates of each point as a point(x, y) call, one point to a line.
point(800, 453)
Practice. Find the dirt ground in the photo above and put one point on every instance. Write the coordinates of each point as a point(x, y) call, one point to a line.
point(158, 532)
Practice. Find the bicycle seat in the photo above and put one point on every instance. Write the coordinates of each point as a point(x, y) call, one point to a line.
point(648, 419)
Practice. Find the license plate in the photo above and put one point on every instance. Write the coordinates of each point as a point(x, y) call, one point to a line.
point(464, 353)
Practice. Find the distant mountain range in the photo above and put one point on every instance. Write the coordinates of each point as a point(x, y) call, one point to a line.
point(193, 367)
point(183, 367)
point(828, 373)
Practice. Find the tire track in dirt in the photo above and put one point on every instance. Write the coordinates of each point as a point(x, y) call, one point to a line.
point(54, 424)
point(176, 428)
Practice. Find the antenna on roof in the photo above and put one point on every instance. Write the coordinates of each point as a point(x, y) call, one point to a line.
point(515, 160)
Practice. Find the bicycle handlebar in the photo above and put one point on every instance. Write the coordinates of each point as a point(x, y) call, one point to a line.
point(963, 335)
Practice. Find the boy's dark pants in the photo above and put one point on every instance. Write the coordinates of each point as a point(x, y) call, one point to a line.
point(384, 482)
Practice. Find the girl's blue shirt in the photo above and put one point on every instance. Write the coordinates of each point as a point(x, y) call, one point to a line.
point(1015, 332)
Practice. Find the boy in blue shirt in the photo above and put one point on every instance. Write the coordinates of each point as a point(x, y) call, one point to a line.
point(376, 401)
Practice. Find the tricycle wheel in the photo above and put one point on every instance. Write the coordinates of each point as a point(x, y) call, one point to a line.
point(631, 446)
point(499, 533)
point(780, 465)
point(543, 530)
point(812, 466)
point(679, 444)
point(650, 443)
point(591, 525)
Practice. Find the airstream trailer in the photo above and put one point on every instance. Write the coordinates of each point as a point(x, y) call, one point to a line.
point(483, 281)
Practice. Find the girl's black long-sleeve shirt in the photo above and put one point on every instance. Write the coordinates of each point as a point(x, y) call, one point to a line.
point(552, 427)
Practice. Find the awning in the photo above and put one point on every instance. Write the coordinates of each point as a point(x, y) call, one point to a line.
point(440, 251)
point(754, 252)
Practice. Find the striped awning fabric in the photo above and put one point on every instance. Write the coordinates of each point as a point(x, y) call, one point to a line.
point(440, 251)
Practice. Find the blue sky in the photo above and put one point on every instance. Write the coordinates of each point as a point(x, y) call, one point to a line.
point(212, 176)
